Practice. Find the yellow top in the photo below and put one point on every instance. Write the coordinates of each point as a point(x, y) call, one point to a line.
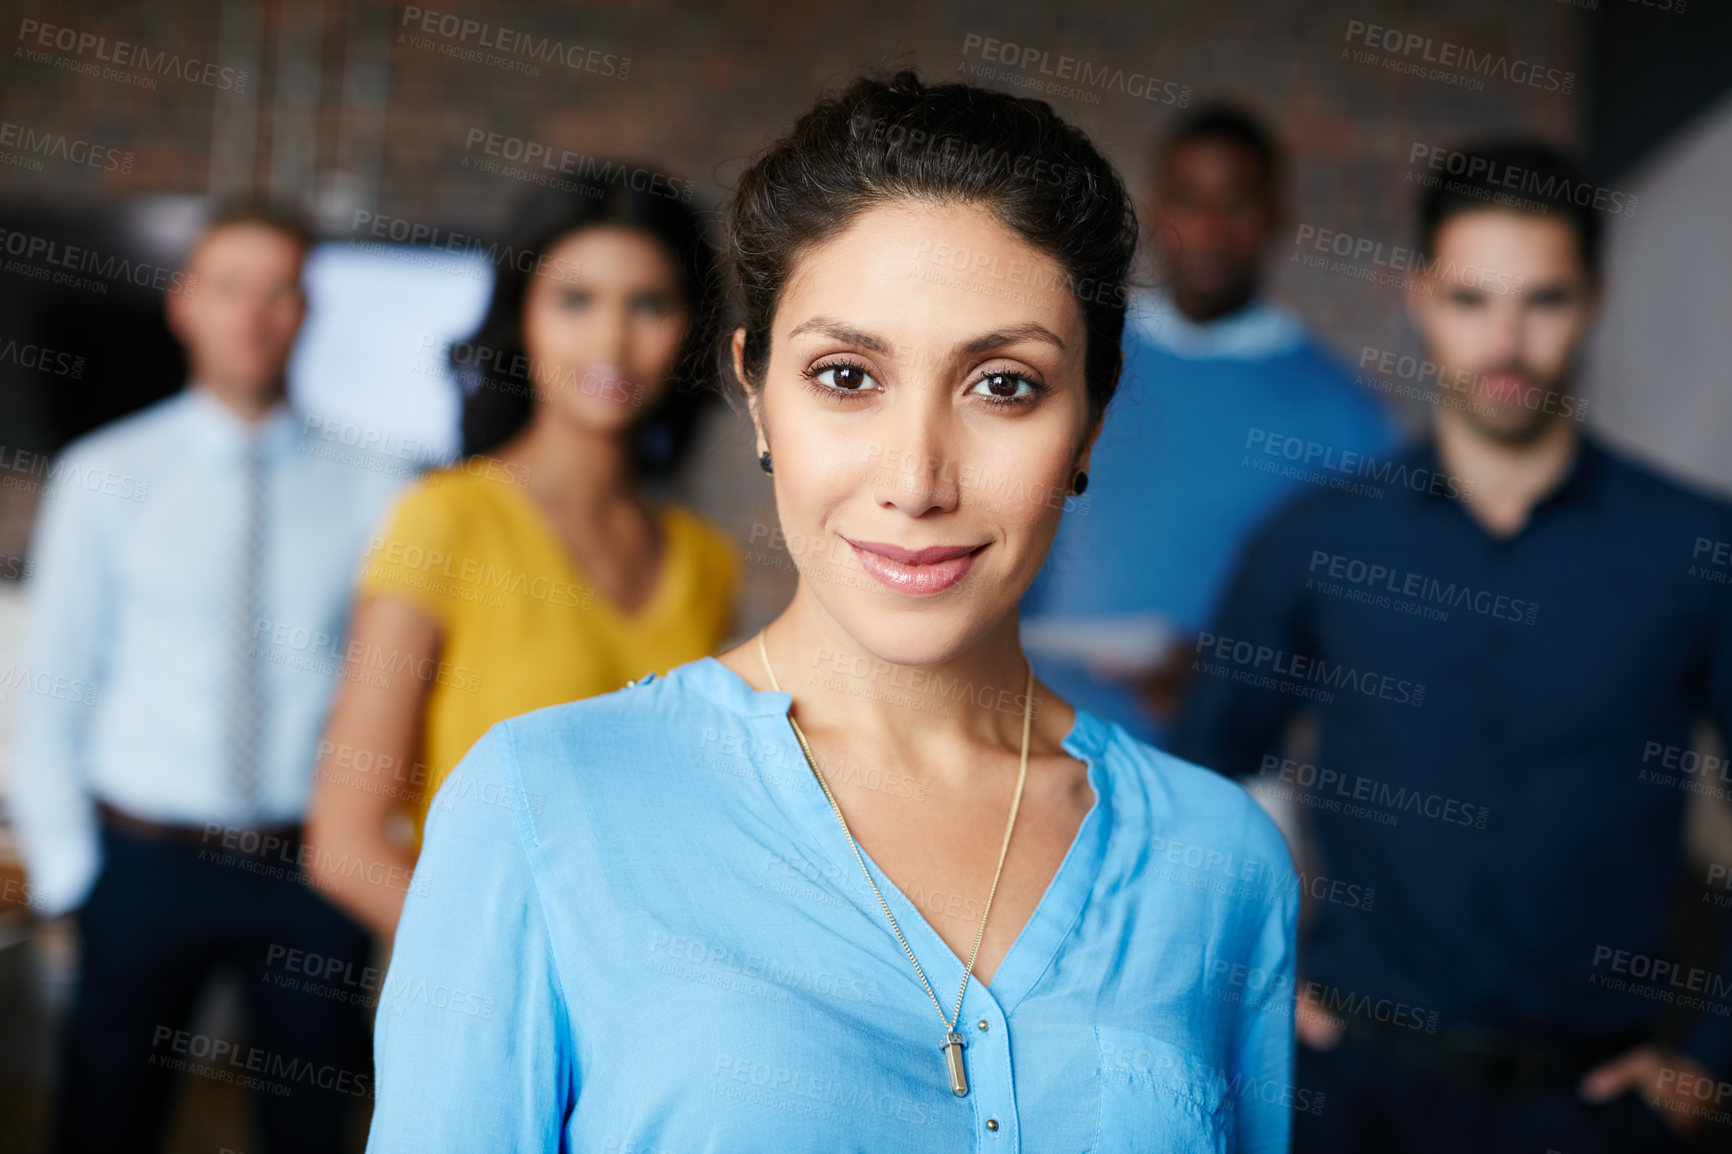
point(521, 626)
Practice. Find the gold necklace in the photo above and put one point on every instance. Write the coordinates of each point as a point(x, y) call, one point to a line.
point(953, 1043)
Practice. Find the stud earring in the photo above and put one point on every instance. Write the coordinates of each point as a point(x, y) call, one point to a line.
point(764, 461)
point(1081, 484)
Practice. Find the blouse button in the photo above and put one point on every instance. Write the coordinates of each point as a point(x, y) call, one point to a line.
point(992, 1123)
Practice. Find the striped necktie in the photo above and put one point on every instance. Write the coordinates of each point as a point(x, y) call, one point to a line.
point(244, 689)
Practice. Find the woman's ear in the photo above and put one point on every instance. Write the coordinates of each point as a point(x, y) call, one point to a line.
point(754, 405)
point(1088, 445)
point(1082, 461)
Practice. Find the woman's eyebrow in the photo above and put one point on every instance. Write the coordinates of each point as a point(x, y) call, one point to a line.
point(841, 332)
point(998, 338)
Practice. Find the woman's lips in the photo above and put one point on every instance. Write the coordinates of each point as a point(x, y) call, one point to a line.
point(916, 572)
point(609, 385)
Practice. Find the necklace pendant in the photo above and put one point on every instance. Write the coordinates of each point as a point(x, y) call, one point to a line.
point(953, 1060)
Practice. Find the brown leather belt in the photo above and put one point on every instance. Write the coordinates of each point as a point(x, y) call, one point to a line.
point(213, 835)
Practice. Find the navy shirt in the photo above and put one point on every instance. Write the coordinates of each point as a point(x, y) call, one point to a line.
point(1503, 744)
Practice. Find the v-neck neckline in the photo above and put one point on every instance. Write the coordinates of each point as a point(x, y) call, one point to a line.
point(1035, 944)
point(551, 536)
point(1054, 915)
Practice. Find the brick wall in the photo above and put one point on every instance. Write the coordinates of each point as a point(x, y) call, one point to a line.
point(358, 105)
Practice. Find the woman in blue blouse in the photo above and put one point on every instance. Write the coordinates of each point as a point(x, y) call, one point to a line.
point(862, 883)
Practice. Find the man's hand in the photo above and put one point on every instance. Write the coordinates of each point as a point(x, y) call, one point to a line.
point(1669, 1082)
point(1317, 1027)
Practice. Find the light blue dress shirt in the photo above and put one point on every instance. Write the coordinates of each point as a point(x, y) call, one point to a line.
point(1179, 476)
point(127, 646)
point(643, 931)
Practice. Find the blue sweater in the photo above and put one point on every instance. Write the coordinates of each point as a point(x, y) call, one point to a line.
point(1190, 459)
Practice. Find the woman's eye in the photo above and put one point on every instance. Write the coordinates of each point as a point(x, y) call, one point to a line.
point(653, 305)
point(1550, 298)
point(844, 378)
point(1004, 386)
point(574, 299)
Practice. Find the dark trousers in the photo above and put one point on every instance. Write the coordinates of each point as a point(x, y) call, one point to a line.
point(1373, 1102)
point(161, 919)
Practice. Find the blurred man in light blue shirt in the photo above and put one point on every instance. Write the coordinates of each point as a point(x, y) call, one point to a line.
point(192, 570)
point(1214, 376)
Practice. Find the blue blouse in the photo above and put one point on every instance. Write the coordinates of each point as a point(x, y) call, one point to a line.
point(638, 928)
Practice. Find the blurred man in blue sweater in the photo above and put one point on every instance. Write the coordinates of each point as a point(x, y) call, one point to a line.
point(1214, 376)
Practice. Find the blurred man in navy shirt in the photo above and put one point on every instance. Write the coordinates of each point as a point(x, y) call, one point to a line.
point(1504, 639)
point(1209, 365)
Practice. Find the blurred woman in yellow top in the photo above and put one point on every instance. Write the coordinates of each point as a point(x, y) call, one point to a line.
point(537, 570)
